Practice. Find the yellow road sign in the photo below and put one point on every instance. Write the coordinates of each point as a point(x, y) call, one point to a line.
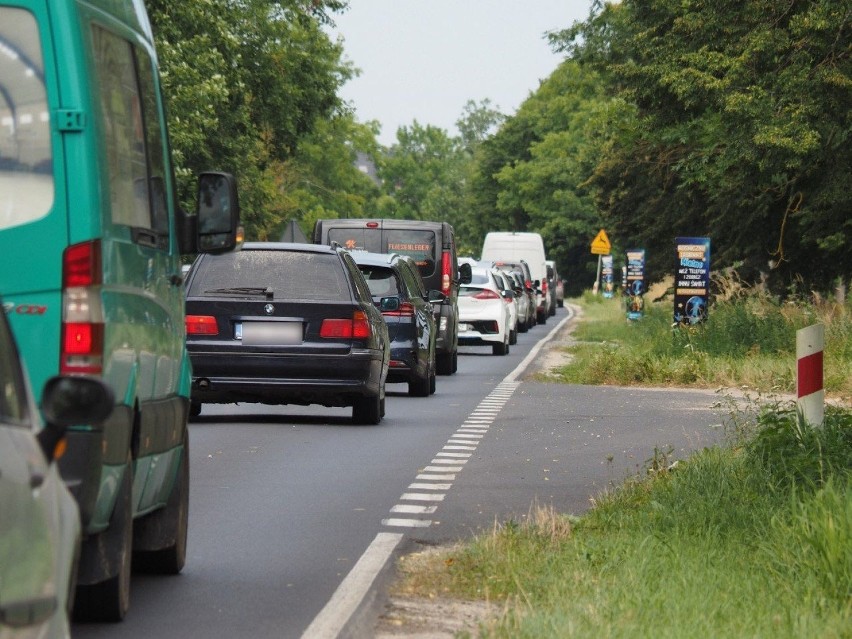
point(601, 245)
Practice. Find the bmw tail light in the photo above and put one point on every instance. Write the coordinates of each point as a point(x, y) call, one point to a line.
point(201, 325)
point(356, 328)
point(361, 325)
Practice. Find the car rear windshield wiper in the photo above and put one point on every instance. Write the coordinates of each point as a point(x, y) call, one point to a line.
point(243, 290)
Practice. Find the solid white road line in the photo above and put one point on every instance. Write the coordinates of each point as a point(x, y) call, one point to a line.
point(331, 620)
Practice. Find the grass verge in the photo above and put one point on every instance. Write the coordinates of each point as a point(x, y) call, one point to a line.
point(747, 341)
point(748, 540)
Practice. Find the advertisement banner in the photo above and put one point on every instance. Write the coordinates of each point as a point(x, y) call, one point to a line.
point(607, 276)
point(634, 287)
point(692, 280)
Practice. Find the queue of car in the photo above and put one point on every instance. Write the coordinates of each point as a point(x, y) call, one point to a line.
point(271, 323)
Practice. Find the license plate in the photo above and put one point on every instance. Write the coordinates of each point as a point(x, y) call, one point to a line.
point(268, 333)
point(464, 327)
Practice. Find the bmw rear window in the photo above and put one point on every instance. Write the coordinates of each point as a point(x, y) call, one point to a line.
point(291, 275)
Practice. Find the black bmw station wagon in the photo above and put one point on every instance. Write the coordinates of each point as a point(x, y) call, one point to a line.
point(281, 323)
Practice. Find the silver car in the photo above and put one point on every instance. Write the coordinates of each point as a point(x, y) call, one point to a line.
point(39, 521)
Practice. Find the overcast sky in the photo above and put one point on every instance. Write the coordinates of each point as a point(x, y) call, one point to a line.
point(424, 59)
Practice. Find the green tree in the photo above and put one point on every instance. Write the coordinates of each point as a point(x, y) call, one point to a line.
point(741, 131)
point(424, 174)
point(245, 81)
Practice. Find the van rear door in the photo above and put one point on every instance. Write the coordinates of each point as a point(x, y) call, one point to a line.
point(364, 236)
point(32, 177)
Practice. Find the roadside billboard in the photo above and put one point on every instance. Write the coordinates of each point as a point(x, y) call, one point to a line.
point(608, 276)
point(692, 280)
point(635, 283)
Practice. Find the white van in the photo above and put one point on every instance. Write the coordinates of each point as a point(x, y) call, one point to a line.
point(509, 246)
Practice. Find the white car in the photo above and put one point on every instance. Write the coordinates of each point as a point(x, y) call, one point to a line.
point(484, 314)
point(39, 520)
point(507, 290)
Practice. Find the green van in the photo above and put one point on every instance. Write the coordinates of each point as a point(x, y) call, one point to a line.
point(90, 244)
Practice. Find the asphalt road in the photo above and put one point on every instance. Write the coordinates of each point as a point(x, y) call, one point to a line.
point(286, 500)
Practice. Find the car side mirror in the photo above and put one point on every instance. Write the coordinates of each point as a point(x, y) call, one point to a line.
point(218, 226)
point(68, 401)
point(465, 274)
point(389, 304)
point(509, 294)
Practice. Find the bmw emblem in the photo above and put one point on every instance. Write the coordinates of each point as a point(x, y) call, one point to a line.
point(269, 308)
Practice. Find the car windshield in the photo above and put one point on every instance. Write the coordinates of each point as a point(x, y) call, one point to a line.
point(287, 274)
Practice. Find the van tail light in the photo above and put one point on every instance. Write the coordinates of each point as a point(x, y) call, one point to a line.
point(486, 294)
point(82, 334)
point(406, 309)
point(446, 272)
point(201, 325)
point(356, 328)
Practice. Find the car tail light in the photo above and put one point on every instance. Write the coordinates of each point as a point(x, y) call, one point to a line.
point(406, 309)
point(446, 272)
point(82, 341)
point(356, 328)
point(201, 325)
point(486, 294)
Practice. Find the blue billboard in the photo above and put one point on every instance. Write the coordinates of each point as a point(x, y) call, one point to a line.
point(692, 280)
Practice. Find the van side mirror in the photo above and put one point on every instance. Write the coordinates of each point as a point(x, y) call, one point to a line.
point(68, 401)
point(465, 274)
point(218, 213)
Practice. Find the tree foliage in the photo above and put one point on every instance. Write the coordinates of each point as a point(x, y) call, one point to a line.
point(245, 82)
point(741, 131)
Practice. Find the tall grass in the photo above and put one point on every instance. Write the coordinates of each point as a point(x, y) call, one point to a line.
point(735, 542)
point(748, 340)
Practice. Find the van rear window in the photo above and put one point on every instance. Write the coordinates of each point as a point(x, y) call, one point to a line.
point(26, 159)
point(355, 239)
point(291, 275)
point(419, 245)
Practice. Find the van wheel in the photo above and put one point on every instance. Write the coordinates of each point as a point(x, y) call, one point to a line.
point(167, 527)
point(513, 337)
point(445, 363)
point(110, 600)
point(523, 328)
point(500, 349)
point(367, 410)
point(194, 409)
point(432, 383)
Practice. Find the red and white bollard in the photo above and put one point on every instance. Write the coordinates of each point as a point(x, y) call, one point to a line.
point(810, 396)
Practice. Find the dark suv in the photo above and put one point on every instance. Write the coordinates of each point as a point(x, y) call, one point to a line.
point(432, 245)
point(281, 323)
point(399, 292)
